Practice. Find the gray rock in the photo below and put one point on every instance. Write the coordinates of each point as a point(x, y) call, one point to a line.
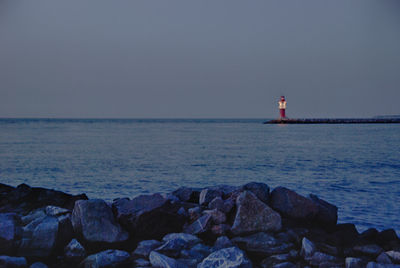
point(189, 239)
point(38, 265)
point(227, 258)
point(203, 249)
point(261, 190)
point(184, 193)
point(56, 211)
point(107, 258)
point(307, 249)
point(217, 216)
point(381, 265)
point(188, 263)
point(141, 263)
point(162, 261)
point(327, 213)
point(94, 221)
point(222, 242)
point(208, 194)
point(194, 213)
point(383, 258)
point(199, 226)
point(354, 263)
point(262, 244)
point(126, 208)
point(320, 258)
point(33, 215)
point(216, 203)
point(13, 262)
point(394, 255)
point(144, 248)
point(293, 205)
point(40, 238)
point(10, 232)
point(252, 215)
point(371, 250)
point(74, 250)
point(172, 248)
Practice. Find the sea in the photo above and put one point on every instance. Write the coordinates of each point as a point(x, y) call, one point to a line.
point(354, 166)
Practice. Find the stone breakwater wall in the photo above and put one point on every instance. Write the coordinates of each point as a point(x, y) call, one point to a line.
point(219, 226)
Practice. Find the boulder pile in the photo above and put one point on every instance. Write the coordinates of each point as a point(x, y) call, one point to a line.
point(219, 226)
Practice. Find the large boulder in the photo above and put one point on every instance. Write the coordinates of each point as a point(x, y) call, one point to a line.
point(327, 213)
point(252, 215)
point(201, 225)
point(144, 248)
point(228, 258)
point(149, 216)
point(10, 232)
point(293, 205)
point(107, 258)
point(259, 189)
point(94, 221)
point(40, 237)
point(208, 194)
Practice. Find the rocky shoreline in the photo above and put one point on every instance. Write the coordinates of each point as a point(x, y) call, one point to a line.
point(219, 226)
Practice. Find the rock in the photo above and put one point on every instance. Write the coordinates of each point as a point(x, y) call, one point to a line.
point(383, 258)
point(199, 226)
point(394, 255)
point(13, 262)
point(126, 210)
point(38, 265)
point(208, 194)
point(327, 213)
point(261, 190)
point(293, 205)
point(194, 213)
point(144, 248)
point(345, 234)
point(319, 258)
point(141, 263)
point(369, 250)
point(162, 261)
point(10, 232)
point(307, 249)
point(284, 265)
point(354, 263)
point(189, 240)
point(222, 242)
point(186, 194)
point(172, 248)
point(217, 216)
point(381, 265)
point(40, 238)
point(252, 215)
point(149, 216)
point(33, 215)
point(386, 237)
point(220, 229)
point(94, 221)
point(198, 252)
point(56, 211)
point(216, 203)
point(227, 257)
point(262, 244)
point(107, 258)
point(284, 259)
point(369, 234)
point(74, 251)
point(24, 199)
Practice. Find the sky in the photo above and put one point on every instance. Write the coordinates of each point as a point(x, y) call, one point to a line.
point(199, 59)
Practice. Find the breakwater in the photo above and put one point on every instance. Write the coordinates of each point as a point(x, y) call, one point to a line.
point(335, 121)
point(219, 226)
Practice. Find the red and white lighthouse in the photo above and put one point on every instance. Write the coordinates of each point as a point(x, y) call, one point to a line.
point(282, 107)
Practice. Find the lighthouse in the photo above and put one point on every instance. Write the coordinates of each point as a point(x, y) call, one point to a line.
point(282, 107)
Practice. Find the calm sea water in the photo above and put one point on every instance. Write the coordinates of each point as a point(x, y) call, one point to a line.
point(356, 167)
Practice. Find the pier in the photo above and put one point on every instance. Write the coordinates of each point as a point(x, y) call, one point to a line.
point(335, 121)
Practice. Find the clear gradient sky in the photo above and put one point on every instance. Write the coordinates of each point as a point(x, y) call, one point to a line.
point(199, 59)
